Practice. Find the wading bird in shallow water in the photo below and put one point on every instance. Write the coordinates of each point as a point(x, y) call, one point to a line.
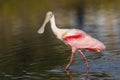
point(75, 38)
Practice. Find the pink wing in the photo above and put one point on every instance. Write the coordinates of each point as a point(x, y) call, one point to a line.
point(80, 39)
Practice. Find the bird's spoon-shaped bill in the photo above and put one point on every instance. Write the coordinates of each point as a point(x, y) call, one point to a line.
point(41, 30)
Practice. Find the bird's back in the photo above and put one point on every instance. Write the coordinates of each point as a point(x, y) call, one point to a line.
point(79, 39)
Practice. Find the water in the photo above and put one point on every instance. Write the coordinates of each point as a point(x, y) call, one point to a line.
point(26, 55)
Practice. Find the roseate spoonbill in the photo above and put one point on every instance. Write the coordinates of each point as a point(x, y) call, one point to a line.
point(75, 38)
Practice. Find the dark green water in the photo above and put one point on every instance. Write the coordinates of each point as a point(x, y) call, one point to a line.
point(26, 55)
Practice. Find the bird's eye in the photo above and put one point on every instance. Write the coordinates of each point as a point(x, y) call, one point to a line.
point(51, 15)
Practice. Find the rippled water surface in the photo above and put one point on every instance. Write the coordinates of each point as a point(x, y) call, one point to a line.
point(27, 55)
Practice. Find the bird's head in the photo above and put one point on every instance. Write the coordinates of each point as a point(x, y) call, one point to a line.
point(49, 15)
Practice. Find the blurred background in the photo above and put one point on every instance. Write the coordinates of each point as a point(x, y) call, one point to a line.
point(26, 55)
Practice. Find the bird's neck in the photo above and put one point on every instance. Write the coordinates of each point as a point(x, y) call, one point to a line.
point(55, 29)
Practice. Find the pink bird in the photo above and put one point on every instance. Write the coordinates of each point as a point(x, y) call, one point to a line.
point(75, 38)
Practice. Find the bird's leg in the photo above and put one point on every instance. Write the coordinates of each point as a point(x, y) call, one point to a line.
point(69, 75)
point(85, 58)
point(71, 59)
point(86, 61)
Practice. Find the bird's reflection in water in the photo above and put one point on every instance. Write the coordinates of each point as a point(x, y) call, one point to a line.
point(71, 77)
